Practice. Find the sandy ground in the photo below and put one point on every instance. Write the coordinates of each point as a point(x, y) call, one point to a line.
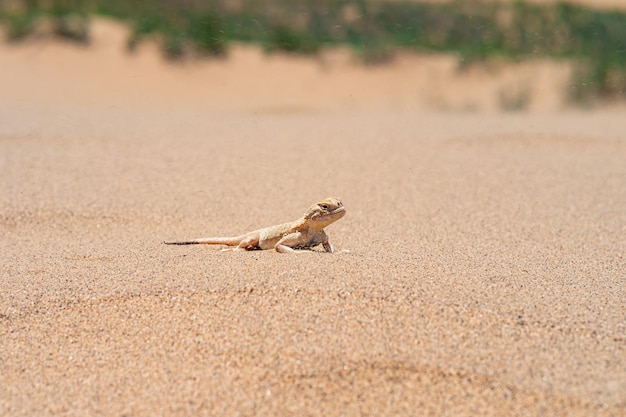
point(480, 269)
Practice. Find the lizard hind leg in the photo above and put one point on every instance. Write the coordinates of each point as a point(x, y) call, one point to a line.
point(248, 243)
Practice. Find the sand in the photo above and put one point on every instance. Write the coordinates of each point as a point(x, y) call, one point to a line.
point(480, 269)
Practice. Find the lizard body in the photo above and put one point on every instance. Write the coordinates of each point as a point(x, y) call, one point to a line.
point(304, 233)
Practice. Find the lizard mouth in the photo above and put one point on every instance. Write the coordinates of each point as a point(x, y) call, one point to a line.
point(340, 209)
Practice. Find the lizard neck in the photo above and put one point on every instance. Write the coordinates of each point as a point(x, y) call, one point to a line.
point(303, 224)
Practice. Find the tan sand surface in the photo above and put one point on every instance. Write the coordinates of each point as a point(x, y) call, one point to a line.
point(480, 270)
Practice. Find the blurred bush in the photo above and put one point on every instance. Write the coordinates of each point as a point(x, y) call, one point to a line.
point(475, 30)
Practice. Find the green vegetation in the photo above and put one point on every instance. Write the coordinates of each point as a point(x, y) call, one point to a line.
point(594, 39)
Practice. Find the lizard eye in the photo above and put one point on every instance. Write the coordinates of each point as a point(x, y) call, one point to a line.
point(324, 206)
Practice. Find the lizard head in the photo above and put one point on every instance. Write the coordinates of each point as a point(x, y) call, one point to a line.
point(325, 212)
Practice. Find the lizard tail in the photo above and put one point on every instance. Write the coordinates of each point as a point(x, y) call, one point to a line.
point(230, 241)
point(188, 242)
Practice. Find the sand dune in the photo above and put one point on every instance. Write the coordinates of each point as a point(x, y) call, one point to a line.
point(251, 80)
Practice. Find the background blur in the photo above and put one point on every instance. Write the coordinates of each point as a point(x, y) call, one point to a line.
point(281, 55)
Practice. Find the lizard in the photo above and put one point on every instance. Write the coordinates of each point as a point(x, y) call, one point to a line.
point(304, 233)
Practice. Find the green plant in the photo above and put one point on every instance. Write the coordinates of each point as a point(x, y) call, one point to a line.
point(474, 30)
